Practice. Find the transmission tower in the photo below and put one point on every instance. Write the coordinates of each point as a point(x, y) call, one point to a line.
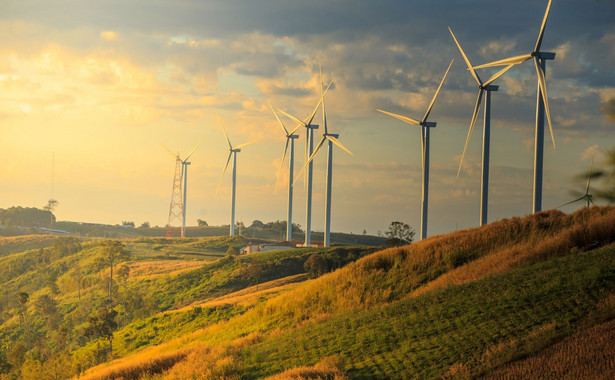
point(176, 210)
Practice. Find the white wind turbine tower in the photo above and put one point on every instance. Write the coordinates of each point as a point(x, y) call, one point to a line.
point(178, 199)
point(587, 196)
point(542, 105)
point(484, 88)
point(309, 149)
point(232, 152)
point(425, 125)
point(331, 138)
point(290, 140)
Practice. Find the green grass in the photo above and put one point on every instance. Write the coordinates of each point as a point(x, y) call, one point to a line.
point(424, 336)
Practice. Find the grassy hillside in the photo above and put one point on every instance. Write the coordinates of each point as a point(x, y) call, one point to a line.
point(507, 299)
point(56, 315)
point(467, 304)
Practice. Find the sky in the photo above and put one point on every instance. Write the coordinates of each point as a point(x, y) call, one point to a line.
point(89, 90)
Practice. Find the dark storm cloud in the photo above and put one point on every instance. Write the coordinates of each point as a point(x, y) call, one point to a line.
point(609, 109)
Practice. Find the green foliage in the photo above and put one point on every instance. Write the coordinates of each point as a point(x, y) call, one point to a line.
point(607, 176)
point(399, 234)
point(531, 307)
point(25, 217)
point(201, 223)
point(102, 325)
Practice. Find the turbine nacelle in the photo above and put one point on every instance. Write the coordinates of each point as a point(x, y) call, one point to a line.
point(429, 124)
point(490, 87)
point(544, 55)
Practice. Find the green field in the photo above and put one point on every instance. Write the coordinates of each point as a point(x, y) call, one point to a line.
point(508, 300)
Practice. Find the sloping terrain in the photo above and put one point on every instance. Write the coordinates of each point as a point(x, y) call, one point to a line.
point(472, 303)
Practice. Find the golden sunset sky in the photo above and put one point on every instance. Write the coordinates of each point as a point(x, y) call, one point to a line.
point(99, 85)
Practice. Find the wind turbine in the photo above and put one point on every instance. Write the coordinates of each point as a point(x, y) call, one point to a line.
point(232, 152)
point(587, 196)
point(331, 138)
point(484, 88)
point(178, 200)
point(542, 105)
point(309, 149)
point(290, 140)
point(425, 125)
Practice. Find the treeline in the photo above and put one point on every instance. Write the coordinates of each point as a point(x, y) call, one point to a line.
point(25, 217)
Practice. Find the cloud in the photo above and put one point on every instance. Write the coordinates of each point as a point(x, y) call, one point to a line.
point(609, 109)
point(109, 35)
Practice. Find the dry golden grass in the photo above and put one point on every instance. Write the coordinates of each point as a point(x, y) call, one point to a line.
point(138, 369)
point(161, 267)
point(587, 354)
point(249, 296)
point(390, 275)
point(213, 362)
point(598, 226)
point(326, 369)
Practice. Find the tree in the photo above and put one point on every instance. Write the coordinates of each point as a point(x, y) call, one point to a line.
point(144, 225)
point(257, 224)
point(111, 252)
point(607, 175)
point(315, 266)
point(201, 223)
point(123, 272)
point(399, 233)
point(254, 271)
point(23, 299)
point(51, 281)
point(102, 326)
point(51, 205)
point(127, 223)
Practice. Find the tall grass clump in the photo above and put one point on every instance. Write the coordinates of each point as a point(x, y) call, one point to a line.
point(459, 257)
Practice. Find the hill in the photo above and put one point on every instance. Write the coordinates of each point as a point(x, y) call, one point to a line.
point(507, 299)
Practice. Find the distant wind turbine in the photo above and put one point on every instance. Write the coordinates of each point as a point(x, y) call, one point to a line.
point(178, 200)
point(425, 125)
point(483, 88)
point(309, 149)
point(290, 140)
point(232, 152)
point(587, 196)
point(542, 105)
point(331, 139)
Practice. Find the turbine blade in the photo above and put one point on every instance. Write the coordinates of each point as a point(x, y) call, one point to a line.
point(244, 144)
point(402, 118)
point(437, 91)
point(506, 61)
point(324, 112)
point(225, 135)
point(308, 121)
point(576, 200)
point(474, 117)
point(497, 75)
point(591, 201)
point(589, 176)
point(476, 77)
point(338, 143)
point(193, 150)
point(542, 28)
point(223, 171)
point(169, 150)
point(543, 90)
point(276, 116)
point(294, 130)
point(293, 118)
point(281, 166)
point(307, 162)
